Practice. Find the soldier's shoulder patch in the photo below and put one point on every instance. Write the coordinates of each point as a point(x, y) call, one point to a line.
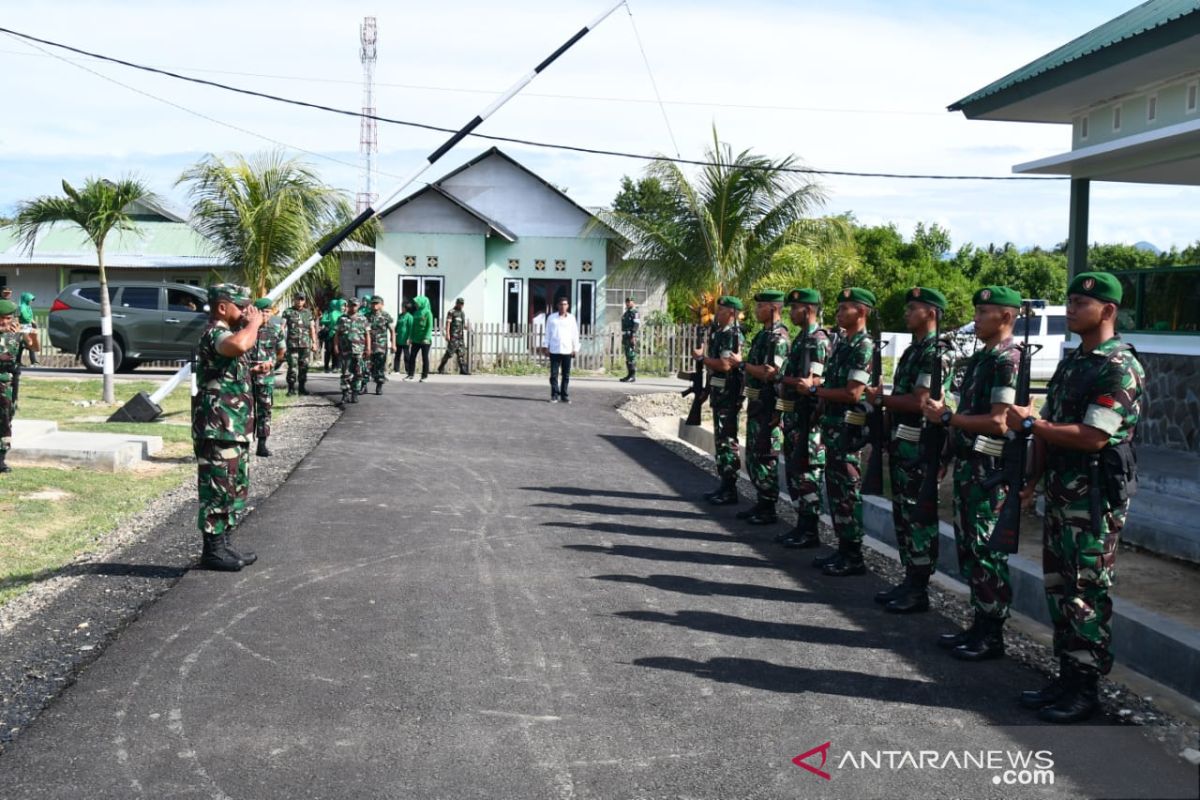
point(1106, 400)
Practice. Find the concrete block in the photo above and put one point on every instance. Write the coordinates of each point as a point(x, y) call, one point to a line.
point(32, 428)
point(93, 450)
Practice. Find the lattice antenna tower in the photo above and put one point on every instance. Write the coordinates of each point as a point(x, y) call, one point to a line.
point(368, 140)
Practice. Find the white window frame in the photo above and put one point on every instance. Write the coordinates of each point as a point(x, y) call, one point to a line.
point(421, 281)
point(1083, 127)
point(1117, 114)
point(1191, 97)
point(579, 284)
point(508, 284)
point(1152, 108)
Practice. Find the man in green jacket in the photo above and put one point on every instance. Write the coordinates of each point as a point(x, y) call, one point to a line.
point(29, 326)
point(328, 326)
point(404, 324)
point(421, 337)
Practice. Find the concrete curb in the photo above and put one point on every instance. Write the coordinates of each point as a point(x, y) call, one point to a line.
point(1150, 643)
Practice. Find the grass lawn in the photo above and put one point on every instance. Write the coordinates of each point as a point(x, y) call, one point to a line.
point(51, 515)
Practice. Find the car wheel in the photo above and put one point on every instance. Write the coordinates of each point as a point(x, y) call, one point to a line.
point(92, 354)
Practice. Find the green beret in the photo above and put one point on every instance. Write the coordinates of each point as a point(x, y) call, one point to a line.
point(729, 301)
point(997, 296)
point(808, 296)
point(769, 297)
point(924, 294)
point(234, 293)
point(856, 294)
point(263, 303)
point(1099, 285)
point(7, 308)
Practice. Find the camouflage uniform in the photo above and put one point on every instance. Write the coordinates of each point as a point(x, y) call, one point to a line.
point(804, 459)
point(764, 439)
point(631, 321)
point(725, 397)
point(380, 324)
point(851, 361)
point(455, 340)
point(297, 323)
point(351, 333)
point(270, 342)
point(918, 544)
point(10, 352)
point(1102, 389)
point(222, 418)
point(990, 376)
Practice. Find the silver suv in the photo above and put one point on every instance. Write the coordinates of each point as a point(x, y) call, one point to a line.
point(151, 322)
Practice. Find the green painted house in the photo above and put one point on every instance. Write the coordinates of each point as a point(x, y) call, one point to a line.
point(494, 233)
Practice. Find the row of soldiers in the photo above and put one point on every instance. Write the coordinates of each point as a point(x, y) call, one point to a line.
point(807, 400)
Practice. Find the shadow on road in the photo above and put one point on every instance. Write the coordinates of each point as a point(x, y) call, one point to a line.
point(149, 571)
point(577, 491)
point(662, 554)
point(684, 584)
point(638, 530)
point(597, 508)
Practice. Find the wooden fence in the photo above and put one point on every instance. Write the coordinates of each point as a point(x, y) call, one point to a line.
point(661, 348)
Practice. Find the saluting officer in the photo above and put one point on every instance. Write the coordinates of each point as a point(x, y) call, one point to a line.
point(989, 388)
point(846, 376)
point(764, 439)
point(913, 380)
point(805, 453)
point(1084, 442)
point(725, 396)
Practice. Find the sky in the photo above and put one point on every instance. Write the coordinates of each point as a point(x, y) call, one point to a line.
point(858, 85)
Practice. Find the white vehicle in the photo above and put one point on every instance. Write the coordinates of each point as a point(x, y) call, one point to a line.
point(1047, 327)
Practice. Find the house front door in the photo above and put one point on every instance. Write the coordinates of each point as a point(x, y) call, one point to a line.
point(544, 294)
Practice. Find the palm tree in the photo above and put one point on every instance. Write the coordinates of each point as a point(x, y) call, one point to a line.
point(98, 209)
point(267, 213)
point(728, 223)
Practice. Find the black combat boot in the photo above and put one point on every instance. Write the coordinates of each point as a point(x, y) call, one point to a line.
point(720, 488)
point(759, 506)
point(820, 562)
point(4, 467)
point(888, 595)
point(217, 556)
point(262, 448)
point(633, 376)
point(1052, 692)
point(303, 388)
point(628, 375)
point(727, 495)
point(986, 644)
point(247, 557)
point(914, 599)
point(850, 563)
point(804, 536)
point(378, 388)
point(765, 514)
point(354, 395)
point(464, 371)
point(345, 398)
point(949, 641)
point(291, 388)
point(1079, 701)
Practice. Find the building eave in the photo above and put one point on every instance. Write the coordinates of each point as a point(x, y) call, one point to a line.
point(1169, 155)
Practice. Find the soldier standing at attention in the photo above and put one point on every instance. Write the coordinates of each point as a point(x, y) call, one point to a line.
point(989, 388)
point(456, 339)
point(631, 322)
point(267, 353)
point(764, 440)
point(404, 324)
point(1084, 442)
point(846, 376)
point(222, 418)
point(725, 396)
point(350, 340)
point(11, 342)
point(805, 453)
point(918, 544)
point(380, 323)
point(300, 332)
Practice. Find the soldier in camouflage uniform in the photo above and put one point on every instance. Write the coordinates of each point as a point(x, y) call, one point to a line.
point(631, 322)
point(267, 353)
point(1084, 443)
point(989, 388)
point(725, 396)
point(764, 439)
point(913, 380)
point(380, 324)
point(222, 421)
point(805, 452)
point(11, 342)
point(846, 377)
point(351, 339)
point(300, 332)
point(456, 339)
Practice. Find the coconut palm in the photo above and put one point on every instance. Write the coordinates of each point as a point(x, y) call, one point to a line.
point(97, 209)
point(265, 214)
point(729, 223)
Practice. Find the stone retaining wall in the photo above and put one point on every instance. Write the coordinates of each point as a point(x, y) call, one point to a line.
point(1172, 415)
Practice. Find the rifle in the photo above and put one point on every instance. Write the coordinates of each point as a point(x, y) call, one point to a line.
point(933, 439)
point(698, 390)
point(804, 409)
point(1007, 532)
point(876, 423)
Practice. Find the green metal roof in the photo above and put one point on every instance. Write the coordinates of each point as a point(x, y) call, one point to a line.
point(1147, 17)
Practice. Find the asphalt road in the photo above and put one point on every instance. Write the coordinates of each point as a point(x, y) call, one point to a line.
point(467, 592)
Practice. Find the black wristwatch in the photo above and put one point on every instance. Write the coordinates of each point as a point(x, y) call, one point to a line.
point(813, 390)
point(1027, 424)
point(947, 414)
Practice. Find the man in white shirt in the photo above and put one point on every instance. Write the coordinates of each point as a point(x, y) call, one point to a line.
point(562, 343)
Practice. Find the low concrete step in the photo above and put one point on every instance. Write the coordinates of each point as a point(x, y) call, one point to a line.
point(1168, 472)
point(39, 442)
point(1165, 523)
point(28, 428)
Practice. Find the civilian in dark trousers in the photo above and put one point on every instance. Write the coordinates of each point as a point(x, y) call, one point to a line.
point(401, 358)
point(423, 349)
point(557, 391)
point(561, 343)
